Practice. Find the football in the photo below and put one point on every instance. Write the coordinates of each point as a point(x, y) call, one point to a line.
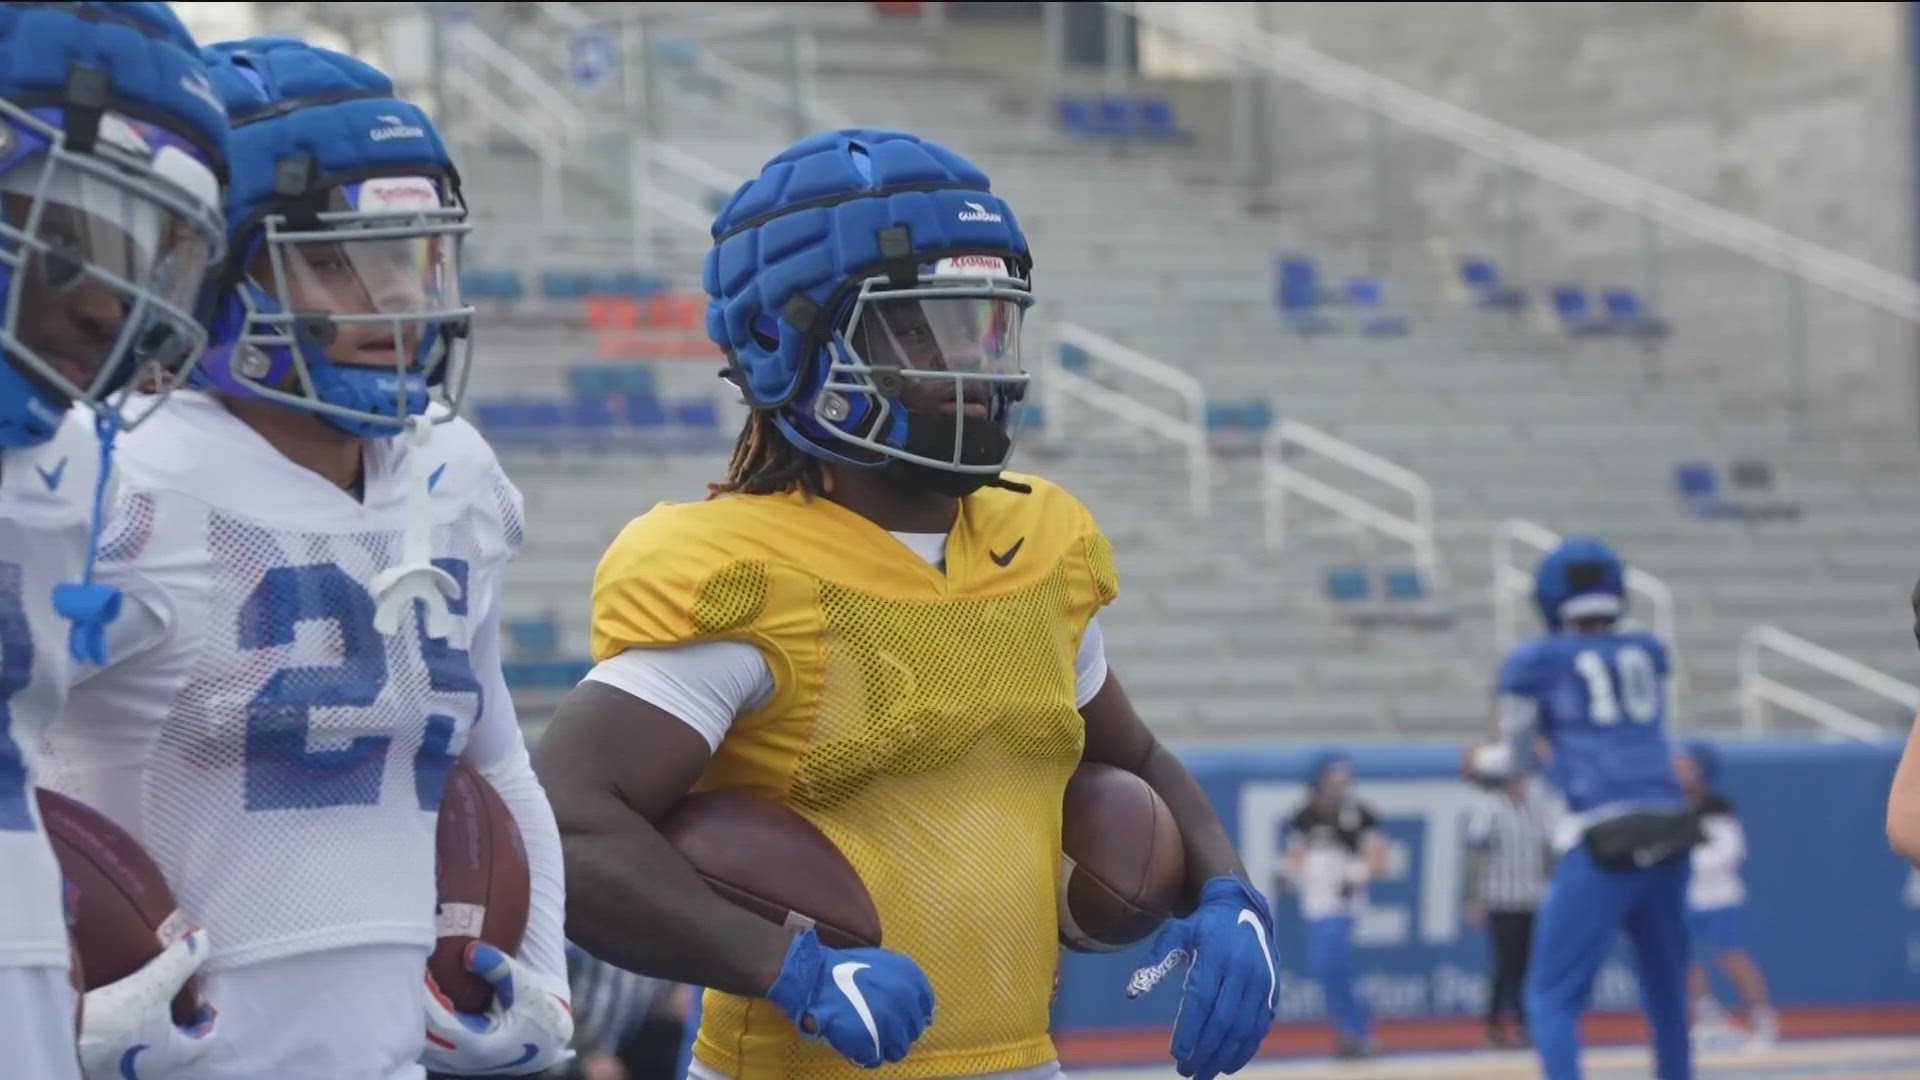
point(773, 862)
point(1123, 868)
point(484, 885)
point(120, 912)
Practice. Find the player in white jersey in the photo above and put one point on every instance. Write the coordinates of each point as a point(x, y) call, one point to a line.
point(110, 152)
point(313, 566)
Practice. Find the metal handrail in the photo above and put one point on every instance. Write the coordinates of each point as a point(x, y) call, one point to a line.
point(1758, 690)
point(1512, 584)
point(1279, 479)
point(1290, 59)
point(500, 60)
point(1188, 431)
point(540, 140)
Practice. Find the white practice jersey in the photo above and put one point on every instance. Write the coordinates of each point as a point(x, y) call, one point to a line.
point(46, 510)
point(279, 757)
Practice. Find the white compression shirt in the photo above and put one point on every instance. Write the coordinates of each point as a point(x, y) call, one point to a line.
point(709, 683)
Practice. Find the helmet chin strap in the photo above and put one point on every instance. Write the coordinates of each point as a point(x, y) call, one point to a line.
point(414, 577)
point(931, 435)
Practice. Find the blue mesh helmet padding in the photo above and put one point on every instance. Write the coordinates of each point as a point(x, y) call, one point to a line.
point(316, 135)
point(104, 108)
point(835, 221)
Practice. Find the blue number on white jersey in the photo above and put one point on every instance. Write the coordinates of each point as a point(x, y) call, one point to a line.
point(16, 670)
point(281, 772)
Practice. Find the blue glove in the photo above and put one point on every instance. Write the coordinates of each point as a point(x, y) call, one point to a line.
point(868, 1004)
point(1226, 1005)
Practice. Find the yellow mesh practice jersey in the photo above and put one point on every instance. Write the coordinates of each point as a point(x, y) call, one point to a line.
point(925, 721)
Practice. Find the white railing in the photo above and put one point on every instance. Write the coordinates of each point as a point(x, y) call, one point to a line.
point(1513, 588)
point(1557, 165)
point(1280, 480)
point(1759, 691)
point(499, 66)
point(540, 141)
point(1189, 431)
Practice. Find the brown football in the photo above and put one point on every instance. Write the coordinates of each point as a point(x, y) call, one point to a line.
point(485, 888)
point(1123, 868)
point(120, 912)
point(773, 862)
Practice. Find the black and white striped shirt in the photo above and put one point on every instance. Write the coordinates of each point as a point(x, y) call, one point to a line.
point(609, 1003)
point(1513, 839)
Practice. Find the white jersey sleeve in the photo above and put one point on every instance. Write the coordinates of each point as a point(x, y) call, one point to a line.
point(46, 515)
point(280, 758)
point(707, 684)
point(498, 750)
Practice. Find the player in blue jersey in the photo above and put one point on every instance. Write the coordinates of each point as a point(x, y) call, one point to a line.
point(1597, 693)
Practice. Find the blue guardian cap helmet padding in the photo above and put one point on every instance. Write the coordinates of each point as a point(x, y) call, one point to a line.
point(1580, 579)
point(112, 152)
point(868, 289)
point(345, 224)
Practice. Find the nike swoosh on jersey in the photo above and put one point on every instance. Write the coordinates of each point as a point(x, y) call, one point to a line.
point(1004, 560)
point(52, 479)
point(843, 978)
point(527, 1053)
point(433, 478)
point(126, 1062)
point(1248, 918)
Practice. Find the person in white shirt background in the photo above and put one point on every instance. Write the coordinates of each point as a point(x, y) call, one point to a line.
point(1335, 847)
point(1715, 899)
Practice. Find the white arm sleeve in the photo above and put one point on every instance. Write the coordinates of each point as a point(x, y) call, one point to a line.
point(707, 684)
point(1726, 844)
point(499, 751)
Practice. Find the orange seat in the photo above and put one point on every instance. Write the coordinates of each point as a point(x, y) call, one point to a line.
point(611, 312)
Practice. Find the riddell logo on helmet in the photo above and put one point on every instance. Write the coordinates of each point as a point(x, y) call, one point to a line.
point(977, 212)
point(396, 129)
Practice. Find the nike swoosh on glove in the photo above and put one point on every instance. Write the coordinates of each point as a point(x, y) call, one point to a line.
point(526, 1031)
point(868, 1004)
point(1227, 1001)
point(127, 1030)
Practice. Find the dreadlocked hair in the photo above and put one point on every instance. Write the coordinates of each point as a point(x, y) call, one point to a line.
point(764, 463)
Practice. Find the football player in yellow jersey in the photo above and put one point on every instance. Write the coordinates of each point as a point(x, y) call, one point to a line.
point(873, 623)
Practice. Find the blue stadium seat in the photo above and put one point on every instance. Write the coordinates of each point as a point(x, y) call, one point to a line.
point(1079, 118)
point(1115, 116)
point(645, 411)
point(1031, 416)
point(1577, 318)
point(545, 674)
point(1405, 584)
point(676, 52)
point(536, 638)
point(632, 379)
point(1366, 296)
point(1074, 358)
point(628, 283)
point(699, 413)
point(588, 382)
point(1698, 485)
point(565, 285)
point(1298, 296)
point(1154, 120)
point(1482, 279)
point(492, 285)
point(1226, 417)
point(1629, 316)
point(1348, 584)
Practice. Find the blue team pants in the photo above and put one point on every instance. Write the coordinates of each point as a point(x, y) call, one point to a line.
point(1586, 905)
point(1330, 955)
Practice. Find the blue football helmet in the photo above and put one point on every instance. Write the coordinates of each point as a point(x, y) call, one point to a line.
point(341, 291)
point(112, 152)
point(868, 289)
point(1580, 579)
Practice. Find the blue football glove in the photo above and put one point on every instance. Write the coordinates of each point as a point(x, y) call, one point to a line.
point(868, 1004)
point(1227, 1003)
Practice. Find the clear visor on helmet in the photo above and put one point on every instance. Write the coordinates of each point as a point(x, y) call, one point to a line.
point(972, 334)
point(104, 255)
point(384, 268)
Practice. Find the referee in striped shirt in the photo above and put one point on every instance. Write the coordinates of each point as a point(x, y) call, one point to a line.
point(1509, 857)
